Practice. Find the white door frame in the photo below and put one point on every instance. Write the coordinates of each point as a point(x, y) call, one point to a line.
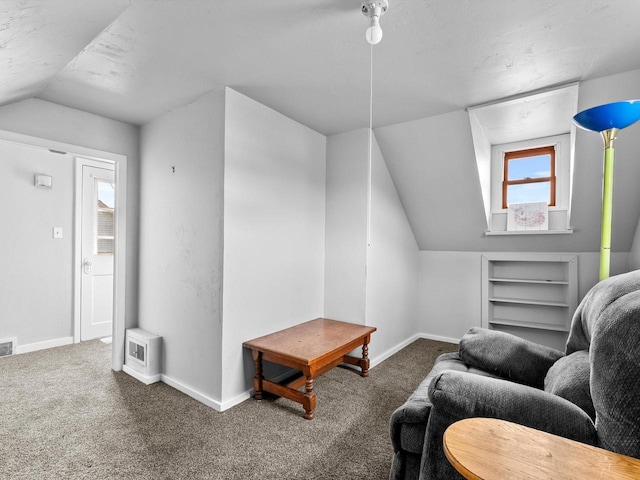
point(78, 227)
point(120, 266)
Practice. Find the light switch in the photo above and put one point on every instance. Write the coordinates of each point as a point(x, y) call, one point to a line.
point(57, 232)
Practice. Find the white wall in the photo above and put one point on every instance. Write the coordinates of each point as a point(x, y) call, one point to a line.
point(449, 293)
point(36, 295)
point(634, 254)
point(587, 187)
point(450, 289)
point(283, 211)
point(392, 265)
point(450, 280)
point(181, 242)
point(373, 285)
point(46, 120)
point(346, 226)
point(274, 231)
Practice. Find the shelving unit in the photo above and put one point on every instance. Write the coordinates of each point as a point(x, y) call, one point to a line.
point(529, 291)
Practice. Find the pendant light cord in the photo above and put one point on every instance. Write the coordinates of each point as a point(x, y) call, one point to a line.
point(370, 165)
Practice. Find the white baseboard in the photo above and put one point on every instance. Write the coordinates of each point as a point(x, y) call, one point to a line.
point(217, 405)
point(393, 350)
point(236, 400)
point(439, 338)
point(147, 380)
point(193, 393)
point(33, 347)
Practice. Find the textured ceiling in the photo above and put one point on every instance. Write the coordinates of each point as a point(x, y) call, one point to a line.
point(133, 60)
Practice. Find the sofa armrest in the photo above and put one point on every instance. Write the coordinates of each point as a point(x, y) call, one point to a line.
point(459, 395)
point(508, 356)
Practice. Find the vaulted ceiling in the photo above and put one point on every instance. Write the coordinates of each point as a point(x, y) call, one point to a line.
point(133, 60)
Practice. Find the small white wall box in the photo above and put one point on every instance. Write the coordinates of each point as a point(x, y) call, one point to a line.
point(143, 355)
point(42, 181)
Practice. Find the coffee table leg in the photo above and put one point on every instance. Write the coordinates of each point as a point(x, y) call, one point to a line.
point(257, 379)
point(364, 363)
point(309, 399)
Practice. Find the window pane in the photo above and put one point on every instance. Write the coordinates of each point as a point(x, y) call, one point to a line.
point(529, 192)
point(530, 167)
point(106, 193)
point(105, 243)
point(106, 246)
point(105, 223)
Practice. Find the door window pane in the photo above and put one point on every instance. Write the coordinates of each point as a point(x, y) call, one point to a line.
point(105, 218)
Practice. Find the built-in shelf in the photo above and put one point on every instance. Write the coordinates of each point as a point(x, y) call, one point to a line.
point(529, 290)
point(541, 326)
point(528, 301)
point(528, 232)
point(528, 280)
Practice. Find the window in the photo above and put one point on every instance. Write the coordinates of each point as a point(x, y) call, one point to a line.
point(512, 126)
point(529, 176)
point(531, 171)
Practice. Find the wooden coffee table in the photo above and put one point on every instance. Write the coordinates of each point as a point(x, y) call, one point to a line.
point(313, 347)
point(490, 449)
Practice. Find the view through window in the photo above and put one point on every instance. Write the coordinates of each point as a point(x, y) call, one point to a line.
point(529, 176)
point(105, 239)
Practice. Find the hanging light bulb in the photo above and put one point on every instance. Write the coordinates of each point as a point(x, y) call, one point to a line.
point(374, 32)
point(373, 10)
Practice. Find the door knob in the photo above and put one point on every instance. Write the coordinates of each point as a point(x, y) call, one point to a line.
point(87, 265)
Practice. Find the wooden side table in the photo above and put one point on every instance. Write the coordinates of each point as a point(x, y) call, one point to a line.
point(313, 347)
point(491, 449)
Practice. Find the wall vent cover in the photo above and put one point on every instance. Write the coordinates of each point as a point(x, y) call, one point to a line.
point(7, 347)
point(137, 352)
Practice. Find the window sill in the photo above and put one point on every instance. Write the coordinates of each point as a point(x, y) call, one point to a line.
point(529, 232)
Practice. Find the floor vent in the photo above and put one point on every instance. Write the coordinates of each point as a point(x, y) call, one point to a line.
point(7, 347)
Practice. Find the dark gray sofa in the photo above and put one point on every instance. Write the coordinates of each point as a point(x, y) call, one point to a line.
point(588, 393)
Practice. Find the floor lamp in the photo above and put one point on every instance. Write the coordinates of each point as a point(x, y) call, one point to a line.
point(608, 119)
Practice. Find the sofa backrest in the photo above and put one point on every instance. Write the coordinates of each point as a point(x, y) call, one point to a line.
point(594, 303)
point(607, 324)
point(615, 375)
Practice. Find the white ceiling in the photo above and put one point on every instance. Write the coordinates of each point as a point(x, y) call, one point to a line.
point(133, 60)
point(538, 115)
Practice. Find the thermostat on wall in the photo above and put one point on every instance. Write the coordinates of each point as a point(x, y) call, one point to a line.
point(42, 181)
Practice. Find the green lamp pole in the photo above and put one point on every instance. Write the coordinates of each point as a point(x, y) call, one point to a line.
point(608, 137)
point(608, 120)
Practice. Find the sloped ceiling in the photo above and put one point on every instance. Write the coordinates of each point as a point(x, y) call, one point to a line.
point(38, 39)
point(432, 162)
point(133, 60)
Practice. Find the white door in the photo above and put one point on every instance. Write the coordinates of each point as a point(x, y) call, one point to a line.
point(97, 249)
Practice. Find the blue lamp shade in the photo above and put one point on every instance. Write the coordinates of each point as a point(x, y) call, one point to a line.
point(611, 115)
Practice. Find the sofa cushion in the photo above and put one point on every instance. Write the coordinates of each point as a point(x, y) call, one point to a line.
point(508, 356)
point(569, 378)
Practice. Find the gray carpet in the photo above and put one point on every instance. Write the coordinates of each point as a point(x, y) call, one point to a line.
point(65, 414)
